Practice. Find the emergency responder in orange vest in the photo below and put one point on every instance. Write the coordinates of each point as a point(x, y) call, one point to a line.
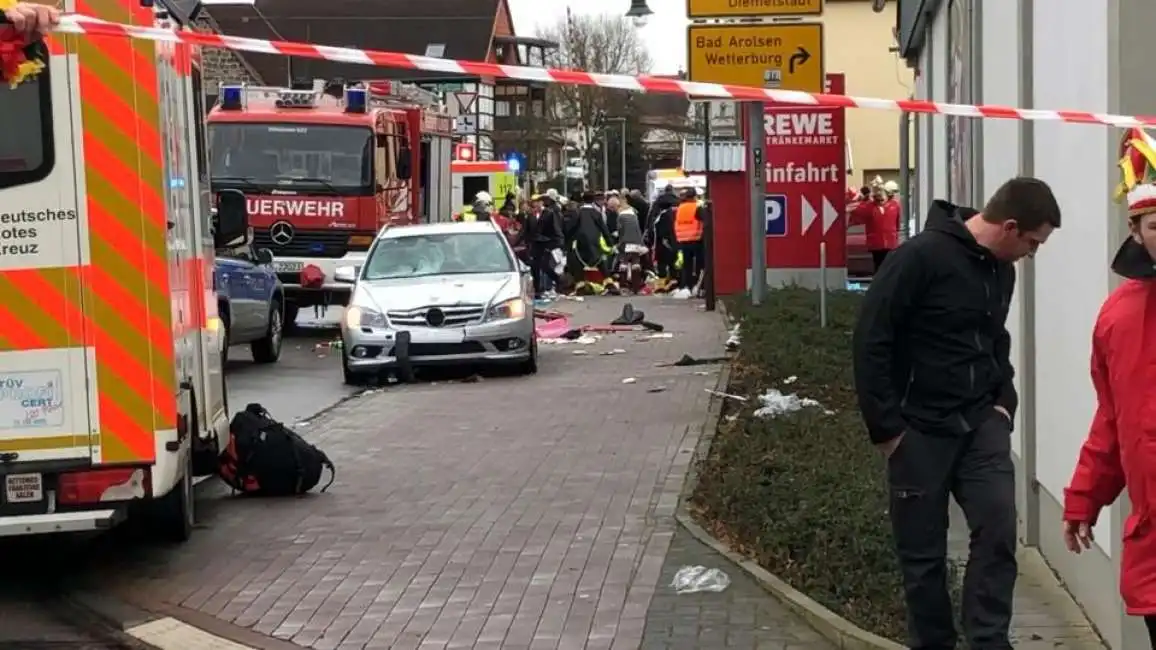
point(688, 232)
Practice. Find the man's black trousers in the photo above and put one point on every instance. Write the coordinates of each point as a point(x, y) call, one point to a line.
point(692, 254)
point(925, 471)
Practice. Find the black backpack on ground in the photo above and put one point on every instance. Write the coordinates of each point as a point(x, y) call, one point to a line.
point(267, 458)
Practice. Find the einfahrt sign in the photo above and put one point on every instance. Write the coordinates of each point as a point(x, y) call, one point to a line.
point(806, 154)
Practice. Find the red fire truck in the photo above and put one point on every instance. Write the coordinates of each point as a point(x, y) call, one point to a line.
point(324, 168)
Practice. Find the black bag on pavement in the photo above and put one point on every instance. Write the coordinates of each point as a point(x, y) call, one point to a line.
point(267, 458)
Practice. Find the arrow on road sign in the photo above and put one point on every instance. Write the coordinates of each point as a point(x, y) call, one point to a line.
point(800, 57)
point(830, 214)
point(809, 216)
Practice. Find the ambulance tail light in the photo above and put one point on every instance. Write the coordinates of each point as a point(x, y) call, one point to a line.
point(359, 242)
point(231, 98)
point(356, 100)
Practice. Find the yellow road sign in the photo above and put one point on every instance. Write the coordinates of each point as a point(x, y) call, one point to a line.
point(787, 56)
point(744, 8)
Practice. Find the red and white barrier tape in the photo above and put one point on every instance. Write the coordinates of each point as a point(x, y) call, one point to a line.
point(79, 24)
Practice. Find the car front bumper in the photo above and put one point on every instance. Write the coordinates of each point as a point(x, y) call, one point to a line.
point(501, 341)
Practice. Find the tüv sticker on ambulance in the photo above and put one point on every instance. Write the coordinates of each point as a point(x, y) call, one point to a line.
point(32, 399)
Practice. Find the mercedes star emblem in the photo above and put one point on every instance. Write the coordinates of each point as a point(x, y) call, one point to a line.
point(281, 233)
point(435, 317)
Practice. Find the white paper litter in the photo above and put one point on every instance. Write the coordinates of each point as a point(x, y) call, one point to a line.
point(695, 579)
point(775, 403)
point(735, 338)
point(660, 335)
point(629, 380)
point(680, 294)
point(585, 339)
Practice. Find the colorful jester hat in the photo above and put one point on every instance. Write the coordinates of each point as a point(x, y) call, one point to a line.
point(1138, 164)
point(20, 58)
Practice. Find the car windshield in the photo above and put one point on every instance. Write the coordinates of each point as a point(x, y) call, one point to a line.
point(418, 256)
point(337, 158)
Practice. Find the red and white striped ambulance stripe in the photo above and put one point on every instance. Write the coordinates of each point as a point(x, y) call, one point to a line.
point(80, 24)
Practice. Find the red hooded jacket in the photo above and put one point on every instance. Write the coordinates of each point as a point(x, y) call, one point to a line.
point(1120, 451)
point(882, 221)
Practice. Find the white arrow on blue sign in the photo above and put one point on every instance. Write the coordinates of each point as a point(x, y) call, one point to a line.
point(776, 207)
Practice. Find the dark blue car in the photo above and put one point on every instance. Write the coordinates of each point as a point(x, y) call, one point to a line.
point(251, 302)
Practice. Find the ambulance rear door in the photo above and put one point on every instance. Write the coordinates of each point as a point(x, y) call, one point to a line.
point(48, 388)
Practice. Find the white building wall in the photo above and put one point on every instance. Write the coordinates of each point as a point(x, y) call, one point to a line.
point(1001, 153)
point(1072, 270)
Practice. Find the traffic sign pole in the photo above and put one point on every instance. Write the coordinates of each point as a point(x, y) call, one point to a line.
point(756, 135)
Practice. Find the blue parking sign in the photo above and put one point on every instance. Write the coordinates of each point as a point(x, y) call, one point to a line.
point(776, 205)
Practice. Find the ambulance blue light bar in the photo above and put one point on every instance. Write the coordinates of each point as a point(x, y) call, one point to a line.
point(231, 98)
point(356, 100)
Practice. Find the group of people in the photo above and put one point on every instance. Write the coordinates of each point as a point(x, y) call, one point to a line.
point(596, 242)
point(934, 374)
point(876, 207)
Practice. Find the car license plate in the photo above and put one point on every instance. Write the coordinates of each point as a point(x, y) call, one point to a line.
point(23, 488)
point(288, 267)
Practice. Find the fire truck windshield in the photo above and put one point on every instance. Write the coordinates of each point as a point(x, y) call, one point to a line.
point(323, 158)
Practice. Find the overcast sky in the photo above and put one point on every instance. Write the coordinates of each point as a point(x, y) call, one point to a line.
point(665, 33)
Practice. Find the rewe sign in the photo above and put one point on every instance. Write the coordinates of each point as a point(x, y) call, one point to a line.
point(806, 173)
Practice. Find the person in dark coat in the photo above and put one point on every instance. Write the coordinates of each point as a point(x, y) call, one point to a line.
point(548, 236)
point(933, 372)
point(590, 237)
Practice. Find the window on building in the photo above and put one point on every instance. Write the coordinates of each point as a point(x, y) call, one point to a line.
point(538, 108)
point(501, 109)
point(520, 109)
point(27, 154)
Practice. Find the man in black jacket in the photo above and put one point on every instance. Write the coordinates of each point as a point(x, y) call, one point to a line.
point(547, 236)
point(934, 378)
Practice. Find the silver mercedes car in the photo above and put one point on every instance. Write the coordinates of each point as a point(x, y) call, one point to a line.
point(437, 294)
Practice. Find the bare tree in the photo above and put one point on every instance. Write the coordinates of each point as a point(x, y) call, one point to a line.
point(605, 43)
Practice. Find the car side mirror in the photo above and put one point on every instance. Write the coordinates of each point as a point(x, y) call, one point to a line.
point(346, 274)
point(232, 219)
point(264, 256)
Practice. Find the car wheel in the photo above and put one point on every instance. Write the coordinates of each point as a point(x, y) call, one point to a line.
point(175, 511)
point(224, 343)
point(268, 348)
point(352, 377)
point(530, 366)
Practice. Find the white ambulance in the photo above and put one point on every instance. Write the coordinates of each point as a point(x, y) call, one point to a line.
point(112, 396)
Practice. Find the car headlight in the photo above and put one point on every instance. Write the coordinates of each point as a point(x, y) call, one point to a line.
point(513, 308)
point(357, 317)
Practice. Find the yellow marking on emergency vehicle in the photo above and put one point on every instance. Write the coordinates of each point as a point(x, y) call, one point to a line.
point(52, 334)
point(124, 177)
point(46, 443)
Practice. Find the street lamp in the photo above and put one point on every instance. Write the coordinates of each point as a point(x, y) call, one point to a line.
point(639, 12)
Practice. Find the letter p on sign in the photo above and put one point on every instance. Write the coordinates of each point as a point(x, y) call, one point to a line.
point(776, 206)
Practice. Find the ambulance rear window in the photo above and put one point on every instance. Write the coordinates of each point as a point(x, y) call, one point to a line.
point(26, 144)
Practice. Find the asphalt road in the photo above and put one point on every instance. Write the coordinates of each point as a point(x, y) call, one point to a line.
point(305, 381)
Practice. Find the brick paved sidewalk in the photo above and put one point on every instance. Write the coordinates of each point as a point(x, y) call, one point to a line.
point(508, 513)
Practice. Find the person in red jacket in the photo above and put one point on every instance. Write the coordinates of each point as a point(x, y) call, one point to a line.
point(1120, 451)
point(880, 215)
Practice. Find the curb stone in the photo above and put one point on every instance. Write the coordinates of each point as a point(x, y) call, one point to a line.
point(843, 633)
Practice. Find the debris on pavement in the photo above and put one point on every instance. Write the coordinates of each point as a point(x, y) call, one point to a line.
point(615, 351)
point(735, 338)
point(776, 403)
point(719, 393)
point(582, 339)
point(660, 335)
point(629, 380)
point(472, 379)
point(656, 389)
point(578, 352)
point(697, 579)
point(688, 360)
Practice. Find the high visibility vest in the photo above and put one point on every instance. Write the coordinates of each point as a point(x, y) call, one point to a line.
point(687, 227)
point(467, 215)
